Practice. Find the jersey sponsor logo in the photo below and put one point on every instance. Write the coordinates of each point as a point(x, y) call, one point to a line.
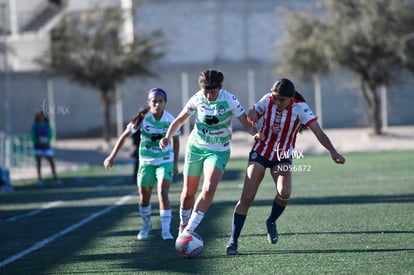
point(156, 137)
point(210, 133)
point(151, 129)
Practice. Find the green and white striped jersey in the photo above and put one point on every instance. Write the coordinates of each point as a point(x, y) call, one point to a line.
point(152, 131)
point(213, 124)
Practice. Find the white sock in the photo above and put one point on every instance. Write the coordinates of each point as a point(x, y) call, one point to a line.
point(165, 217)
point(145, 213)
point(195, 220)
point(184, 215)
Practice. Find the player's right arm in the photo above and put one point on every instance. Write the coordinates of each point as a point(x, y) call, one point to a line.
point(109, 161)
point(174, 127)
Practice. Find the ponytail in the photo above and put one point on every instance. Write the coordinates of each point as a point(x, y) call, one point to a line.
point(137, 119)
point(299, 98)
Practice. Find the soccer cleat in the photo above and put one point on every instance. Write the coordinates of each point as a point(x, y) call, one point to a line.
point(231, 249)
point(272, 235)
point(144, 232)
point(166, 235)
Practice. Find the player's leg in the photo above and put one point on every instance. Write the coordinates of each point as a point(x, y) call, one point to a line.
point(49, 157)
point(253, 177)
point(164, 177)
point(145, 181)
point(282, 176)
point(38, 168)
point(52, 166)
point(193, 168)
point(212, 176)
point(214, 165)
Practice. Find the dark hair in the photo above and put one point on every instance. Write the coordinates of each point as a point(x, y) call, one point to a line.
point(41, 116)
point(137, 119)
point(284, 87)
point(210, 79)
point(299, 97)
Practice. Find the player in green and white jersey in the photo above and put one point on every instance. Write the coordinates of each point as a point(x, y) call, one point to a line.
point(156, 167)
point(208, 147)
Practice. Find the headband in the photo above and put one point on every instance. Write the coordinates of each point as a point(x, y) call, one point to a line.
point(157, 92)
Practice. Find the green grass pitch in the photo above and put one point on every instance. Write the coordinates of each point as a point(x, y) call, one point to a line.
point(356, 218)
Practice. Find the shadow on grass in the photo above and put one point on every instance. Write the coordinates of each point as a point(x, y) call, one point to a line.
point(323, 251)
point(129, 254)
point(357, 199)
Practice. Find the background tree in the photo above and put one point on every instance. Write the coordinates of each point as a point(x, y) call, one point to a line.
point(304, 59)
point(86, 49)
point(374, 40)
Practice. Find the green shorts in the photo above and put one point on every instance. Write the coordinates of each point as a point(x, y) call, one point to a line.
point(148, 174)
point(196, 158)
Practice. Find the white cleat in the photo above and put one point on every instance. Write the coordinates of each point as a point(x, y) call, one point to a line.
point(144, 232)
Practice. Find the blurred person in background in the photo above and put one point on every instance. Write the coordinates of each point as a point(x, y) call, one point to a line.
point(41, 135)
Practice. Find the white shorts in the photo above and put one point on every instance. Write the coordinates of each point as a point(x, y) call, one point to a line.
point(44, 152)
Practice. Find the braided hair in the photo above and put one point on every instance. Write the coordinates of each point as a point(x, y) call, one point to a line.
point(210, 79)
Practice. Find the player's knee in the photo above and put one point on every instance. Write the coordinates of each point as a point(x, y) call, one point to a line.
point(282, 199)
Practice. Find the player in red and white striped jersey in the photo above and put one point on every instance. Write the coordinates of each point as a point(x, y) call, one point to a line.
point(284, 113)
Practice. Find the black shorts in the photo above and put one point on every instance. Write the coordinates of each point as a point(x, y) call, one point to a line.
point(254, 156)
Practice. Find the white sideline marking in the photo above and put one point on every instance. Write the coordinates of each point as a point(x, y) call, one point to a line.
point(37, 211)
point(50, 239)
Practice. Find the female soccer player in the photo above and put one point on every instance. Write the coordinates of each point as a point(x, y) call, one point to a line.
point(208, 147)
point(156, 167)
point(284, 114)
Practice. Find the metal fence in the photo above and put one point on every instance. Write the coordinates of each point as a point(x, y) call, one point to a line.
point(16, 151)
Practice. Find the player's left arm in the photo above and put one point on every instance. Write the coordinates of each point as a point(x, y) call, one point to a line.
point(325, 141)
point(249, 127)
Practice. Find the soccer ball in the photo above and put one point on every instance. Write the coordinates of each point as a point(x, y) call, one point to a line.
point(189, 244)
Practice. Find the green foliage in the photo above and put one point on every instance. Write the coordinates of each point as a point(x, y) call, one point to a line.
point(86, 48)
point(300, 50)
point(369, 38)
point(355, 218)
point(373, 40)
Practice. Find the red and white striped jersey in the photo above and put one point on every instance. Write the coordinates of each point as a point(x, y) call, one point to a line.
point(280, 127)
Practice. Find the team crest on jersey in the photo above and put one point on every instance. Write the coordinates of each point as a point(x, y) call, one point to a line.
point(276, 128)
point(221, 110)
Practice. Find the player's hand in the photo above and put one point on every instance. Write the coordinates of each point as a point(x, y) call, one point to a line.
point(108, 162)
point(259, 136)
point(164, 143)
point(338, 158)
point(252, 117)
point(175, 170)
